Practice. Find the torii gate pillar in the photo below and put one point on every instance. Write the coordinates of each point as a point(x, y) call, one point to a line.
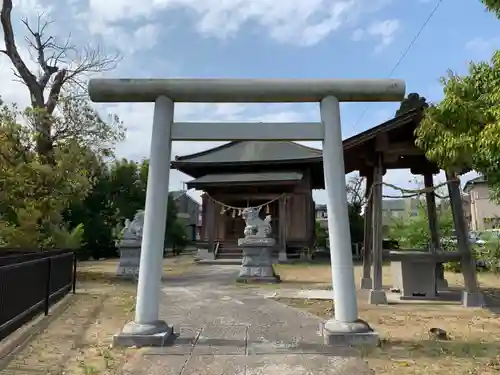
point(344, 327)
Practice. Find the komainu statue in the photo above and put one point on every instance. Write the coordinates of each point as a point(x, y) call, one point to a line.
point(133, 229)
point(255, 226)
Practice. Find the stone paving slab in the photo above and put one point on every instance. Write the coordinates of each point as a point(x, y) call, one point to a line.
point(157, 365)
point(224, 329)
point(321, 294)
point(298, 364)
point(219, 364)
point(291, 364)
point(183, 344)
point(218, 339)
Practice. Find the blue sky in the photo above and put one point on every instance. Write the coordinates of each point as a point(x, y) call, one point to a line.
point(268, 38)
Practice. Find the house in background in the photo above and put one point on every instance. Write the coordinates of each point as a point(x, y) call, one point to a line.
point(391, 209)
point(321, 211)
point(484, 213)
point(321, 215)
point(398, 208)
point(188, 213)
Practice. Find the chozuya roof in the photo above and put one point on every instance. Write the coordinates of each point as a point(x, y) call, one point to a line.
point(251, 152)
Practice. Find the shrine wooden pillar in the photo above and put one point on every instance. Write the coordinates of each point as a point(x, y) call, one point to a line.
point(204, 210)
point(210, 216)
point(282, 257)
point(366, 281)
point(472, 296)
point(430, 198)
point(377, 293)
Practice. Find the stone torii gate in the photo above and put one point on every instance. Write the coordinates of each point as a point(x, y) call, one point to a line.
point(147, 329)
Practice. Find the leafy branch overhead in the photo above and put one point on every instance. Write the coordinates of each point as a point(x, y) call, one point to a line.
point(463, 130)
point(63, 69)
point(493, 6)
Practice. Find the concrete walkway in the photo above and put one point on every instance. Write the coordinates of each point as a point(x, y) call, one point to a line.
point(225, 329)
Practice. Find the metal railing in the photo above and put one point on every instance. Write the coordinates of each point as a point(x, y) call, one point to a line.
point(30, 283)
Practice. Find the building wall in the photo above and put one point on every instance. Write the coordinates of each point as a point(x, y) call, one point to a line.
point(188, 213)
point(484, 213)
point(395, 208)
point(466, 206)
point(321, 211)
point(321, 215)
point(299, 219)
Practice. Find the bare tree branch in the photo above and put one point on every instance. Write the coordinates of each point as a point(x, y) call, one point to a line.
point(12, 52)
point(40, 45)
point(60, 65)
point(356, 191)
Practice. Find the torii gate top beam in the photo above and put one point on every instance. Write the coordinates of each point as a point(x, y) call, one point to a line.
point(215, 90)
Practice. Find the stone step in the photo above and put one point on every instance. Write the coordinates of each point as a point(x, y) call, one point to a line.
point(224, 249)
point(222, 262)
point(229, 256)
point(230, 251)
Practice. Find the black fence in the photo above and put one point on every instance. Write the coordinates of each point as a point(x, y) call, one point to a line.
point(31, 282)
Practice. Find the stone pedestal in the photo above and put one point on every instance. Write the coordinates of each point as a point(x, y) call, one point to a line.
point(282, 256)
point(130, 256)
point(138, 335)
point(257, 263)
point(204, 254)
point(357, 333)
point(472, 299)
point(366, 283)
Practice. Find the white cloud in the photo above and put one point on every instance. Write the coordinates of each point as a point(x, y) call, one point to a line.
point(293, 21)
point(131, 40)
point(383, 32)
point(32, 7)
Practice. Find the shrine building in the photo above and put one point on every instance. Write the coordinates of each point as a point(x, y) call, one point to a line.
point(281, 175)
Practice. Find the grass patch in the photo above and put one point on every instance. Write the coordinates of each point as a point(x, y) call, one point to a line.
point(78, 341)
point(320, 274)
point(406, 346)
point(105, 270)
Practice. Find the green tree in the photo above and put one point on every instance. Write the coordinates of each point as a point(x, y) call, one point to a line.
point(118, 193)
point(412, 232)
point(462, 132)
point(321, 236)
point(98, 215)
point(33, 195)
point(492, 6)
point(490, 252)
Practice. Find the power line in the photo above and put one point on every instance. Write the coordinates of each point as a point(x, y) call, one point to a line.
point(405, 52)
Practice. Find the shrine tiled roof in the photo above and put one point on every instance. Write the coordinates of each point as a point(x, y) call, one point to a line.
point(245, 178)
point(252, 151)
